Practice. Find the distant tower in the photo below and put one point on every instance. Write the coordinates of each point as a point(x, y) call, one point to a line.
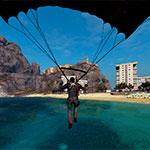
point(86, 59)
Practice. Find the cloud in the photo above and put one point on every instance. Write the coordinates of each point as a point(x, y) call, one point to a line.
point(111, 64)
point(23, 18)
point(120, 59)
point(61, 42)
point(95, 24)
point(86, 15)
point(58, 41)
point(67, 52)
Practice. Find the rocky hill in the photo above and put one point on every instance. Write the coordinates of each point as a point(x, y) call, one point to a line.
point(13, 61)
point(94, 77)
point(17, 76)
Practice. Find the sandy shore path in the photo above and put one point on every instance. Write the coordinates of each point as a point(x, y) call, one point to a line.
point(97, 96)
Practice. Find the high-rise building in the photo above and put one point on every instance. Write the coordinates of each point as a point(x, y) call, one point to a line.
point(127, 73)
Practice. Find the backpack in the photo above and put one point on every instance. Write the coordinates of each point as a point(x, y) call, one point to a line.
point(73, 90)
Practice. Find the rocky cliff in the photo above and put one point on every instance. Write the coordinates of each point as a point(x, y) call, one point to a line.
point(15, 71)
point(13, 61)
point(17, 76)
point(94, 77)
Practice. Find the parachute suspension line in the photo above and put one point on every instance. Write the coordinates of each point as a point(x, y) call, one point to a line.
point(44, 39)
point(54, 60)
point(34, 38)
point(115, 40)
point(30, 40)
point(104, 54)
point(100, 43)
point(22, 28)
point(46, 53)
point(110, 50)
point(43, 36)
point(102, 31)
point(34, 41)
point(109, 35)
point(98, 49)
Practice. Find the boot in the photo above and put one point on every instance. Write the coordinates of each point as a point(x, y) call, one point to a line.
point(70, 126)
point(75, 119)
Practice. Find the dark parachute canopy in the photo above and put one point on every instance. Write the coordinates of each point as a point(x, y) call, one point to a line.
point(125, 15)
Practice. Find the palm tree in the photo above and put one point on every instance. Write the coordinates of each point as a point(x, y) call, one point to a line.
point(101, 87)
point(120, 86)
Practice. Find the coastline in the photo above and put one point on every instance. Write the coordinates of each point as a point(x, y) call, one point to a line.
point(96, 96)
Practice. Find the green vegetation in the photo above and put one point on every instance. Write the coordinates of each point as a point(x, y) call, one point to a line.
point(46, 91)
point(49, 91)
point(100, 88)
point(55, 90)
point(48, 83)
point(4, 80)
point(122, 86)
point(19, 92)
point(45, 78)
point(130, 86)
point(58, 80)
point(145, 86)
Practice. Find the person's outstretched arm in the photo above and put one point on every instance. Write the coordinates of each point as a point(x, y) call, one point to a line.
point(65, 86)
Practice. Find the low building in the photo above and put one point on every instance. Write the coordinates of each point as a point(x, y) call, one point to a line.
point(65, 80)
point(86, 59)
point(44, 72)
point(82, 82)
point(56, 69)
point(141, 80)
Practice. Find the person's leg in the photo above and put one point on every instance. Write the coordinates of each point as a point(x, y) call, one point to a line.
point(69, 115)
point(69, 118)
point(75, 113)
point(76, 104)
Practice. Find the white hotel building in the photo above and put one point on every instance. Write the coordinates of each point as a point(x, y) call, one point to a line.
point(127, 73)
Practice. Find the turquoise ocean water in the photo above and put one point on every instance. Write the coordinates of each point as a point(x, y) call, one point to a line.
point(41, 123)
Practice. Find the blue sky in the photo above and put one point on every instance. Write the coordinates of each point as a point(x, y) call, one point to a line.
point(73, 35)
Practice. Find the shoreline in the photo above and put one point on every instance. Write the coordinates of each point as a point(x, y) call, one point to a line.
point(96, 96)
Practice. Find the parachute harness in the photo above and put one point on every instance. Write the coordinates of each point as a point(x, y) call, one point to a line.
point(49, 53)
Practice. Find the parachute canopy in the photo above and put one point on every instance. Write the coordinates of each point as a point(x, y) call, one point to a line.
point(125, 15)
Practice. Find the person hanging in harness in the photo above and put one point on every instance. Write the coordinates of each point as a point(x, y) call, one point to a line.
point(73, 93)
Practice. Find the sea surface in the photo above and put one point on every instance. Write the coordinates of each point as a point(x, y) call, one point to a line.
point(41, 123)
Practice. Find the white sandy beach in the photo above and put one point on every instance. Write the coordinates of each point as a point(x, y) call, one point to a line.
point(96, 96)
